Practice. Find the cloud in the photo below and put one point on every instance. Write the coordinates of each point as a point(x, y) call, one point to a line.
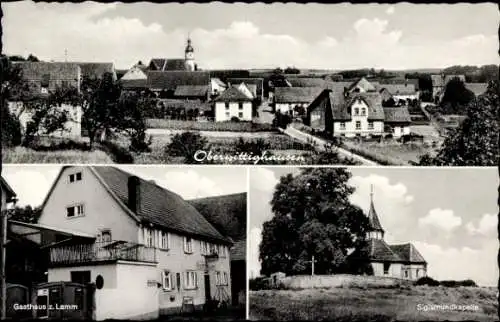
point(390, 10)
point(263, 179)
point(23, 180)
point(461, 263)
point(253, 261)
point(441, 218)
point(486, 225)
point(88, 35)
point(190, 184)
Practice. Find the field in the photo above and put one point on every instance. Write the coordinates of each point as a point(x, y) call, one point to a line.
point(207, 126)
point(26, 155)
point(279, 144)
point(378, 304)
point(388, 153)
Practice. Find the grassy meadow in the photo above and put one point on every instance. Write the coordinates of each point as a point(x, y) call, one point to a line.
point(405, 303)
point(27, 155)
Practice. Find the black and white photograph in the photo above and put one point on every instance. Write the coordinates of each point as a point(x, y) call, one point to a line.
point(373, 244)
point(233, 83)
point(124, 243)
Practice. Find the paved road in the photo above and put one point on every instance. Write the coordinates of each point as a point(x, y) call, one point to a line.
point(320, 144)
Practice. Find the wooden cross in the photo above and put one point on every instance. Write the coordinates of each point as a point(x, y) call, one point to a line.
point(312, 261)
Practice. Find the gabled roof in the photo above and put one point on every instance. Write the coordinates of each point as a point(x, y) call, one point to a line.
point(158, 206)
point(252, 88)
point(477, 88)
point(397, 114)
point(333, 99)
point(133, 83)
point(399, 89)
point(227, 214)
point(374, 102)
point(364, 84)
point(408, 253)
point(217, 81)
point(379, 250)
point(35, 71)
point(191, 90)
point(157, 64)
point(259, 82)
point(7, 189)
point(306, 81)
point(233, 94)
point(175, 64)
point(158, 80)
point(96, 70)
point(296, 94)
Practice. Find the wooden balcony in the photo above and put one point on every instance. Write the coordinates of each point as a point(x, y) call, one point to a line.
point(101, 252)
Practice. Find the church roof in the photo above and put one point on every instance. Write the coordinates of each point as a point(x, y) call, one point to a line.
point(408, 253)
point(373, 217)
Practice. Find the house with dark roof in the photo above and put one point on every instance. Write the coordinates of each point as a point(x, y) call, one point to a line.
point(402, 261)
point(217, 86)
point(357, 114)
point(176, 64)
point(43, 78)
point(151, 251)
point(233, 103)
point(165, 83)
point(228, 215)
point(288, 99)
point(138, 71)
point(257, 82)
point(400, 92)
point(362, 85)
point(192, 92)
point(97, 70)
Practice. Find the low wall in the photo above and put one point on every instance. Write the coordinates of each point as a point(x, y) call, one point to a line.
point(341, 280)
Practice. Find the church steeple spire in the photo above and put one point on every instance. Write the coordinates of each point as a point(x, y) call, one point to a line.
point(189, 55)
point(376, 231)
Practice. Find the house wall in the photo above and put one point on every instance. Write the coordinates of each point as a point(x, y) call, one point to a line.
point(126, 293)
point(134, 73)
point(414, 271)
point(350, 126)
point(222, 114)
point(215, 88)
point(398, 97)
point(101, 209)
point(395, 269)
point(73, 127)
point(175, 260)
point(287, 107)
point(399, 130)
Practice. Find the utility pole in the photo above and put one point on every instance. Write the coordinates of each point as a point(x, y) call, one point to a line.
point(312, 261)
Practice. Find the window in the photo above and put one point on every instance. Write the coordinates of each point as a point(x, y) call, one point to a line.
point(75, 177)
point(356, 111)
point(213, 249)
point(218, 280)
point(342, 125)
point(370, 125)
point(188, 245)
point(417, 273)
point(191, 280)
point(386, 268)
point(224, 278)
point(240, 114)
point(227, 114)
point(363, 111)
point(164, 240)
point(406, 274)
point(75, 211)
point(105, 235)
point(358, 125)
point(167, 281)
point(148, 237)
point(203, 247)
point(240, 106)
point(222, 251)
point(227, 105)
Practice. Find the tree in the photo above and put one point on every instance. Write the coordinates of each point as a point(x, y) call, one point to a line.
point(292, 70)
point(389, 103)
point(456, 97)
point(32, 58)
point(133, 106)
point(312, 217)
point(99, 101)
point(26, 214)
point(185, 145)
point(475, 142)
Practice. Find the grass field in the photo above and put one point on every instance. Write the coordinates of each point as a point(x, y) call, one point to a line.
point(207, 126)
point(356, 304)
point(26, 155)
point(389, 153)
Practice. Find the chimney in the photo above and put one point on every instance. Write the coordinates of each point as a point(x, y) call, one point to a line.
point(134, 194)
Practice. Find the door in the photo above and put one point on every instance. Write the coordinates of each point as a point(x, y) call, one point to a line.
point(42, 302)
point(207, 288)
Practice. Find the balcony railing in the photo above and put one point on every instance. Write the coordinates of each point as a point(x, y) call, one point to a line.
point(102, 251)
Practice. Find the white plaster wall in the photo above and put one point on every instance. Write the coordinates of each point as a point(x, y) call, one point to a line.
point(134, 73)
point(101, 209)
point(220, 111)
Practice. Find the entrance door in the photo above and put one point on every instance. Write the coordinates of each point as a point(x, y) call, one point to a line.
point(42, 302)
point(207, 288)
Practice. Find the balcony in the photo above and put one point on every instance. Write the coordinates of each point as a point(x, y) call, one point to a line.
point(101, 252)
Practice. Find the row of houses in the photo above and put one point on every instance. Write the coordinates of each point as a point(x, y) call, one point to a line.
point(147, 251)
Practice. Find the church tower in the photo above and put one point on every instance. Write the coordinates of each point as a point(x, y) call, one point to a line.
point(189, 56)
point(376, 231)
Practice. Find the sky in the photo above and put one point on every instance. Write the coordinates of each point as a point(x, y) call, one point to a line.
point(449, 214)
point(323, 36)
point(32, 182)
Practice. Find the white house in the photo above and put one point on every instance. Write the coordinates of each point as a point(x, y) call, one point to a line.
point(152, 252)
point(233, 103)
point(286, 99)
point(401, 91)
point(138, 71)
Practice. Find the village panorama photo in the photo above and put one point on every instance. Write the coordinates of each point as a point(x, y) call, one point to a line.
point(124, 243)
point(220, 83)
point(373, 244)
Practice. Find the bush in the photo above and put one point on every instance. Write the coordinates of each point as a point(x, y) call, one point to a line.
point(58, 146)
point(185, 145)
point(259, 283)
point(451, 283)
point(235, 119)
point(11, 128)
point(118, 153)
point(427, 281)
